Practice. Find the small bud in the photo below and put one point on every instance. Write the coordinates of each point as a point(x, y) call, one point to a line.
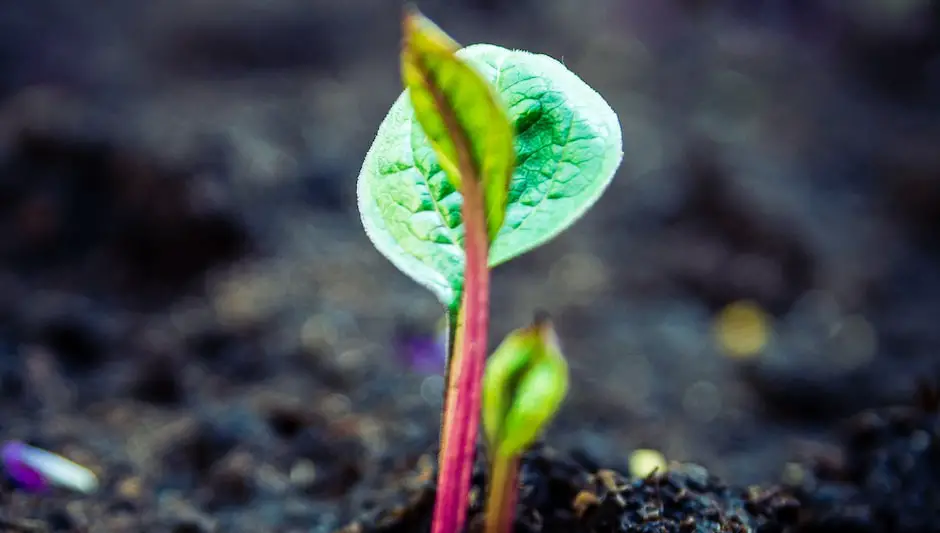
point(525, 382)
point(35, 469)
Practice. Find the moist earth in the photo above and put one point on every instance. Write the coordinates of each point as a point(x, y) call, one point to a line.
point(191, 308)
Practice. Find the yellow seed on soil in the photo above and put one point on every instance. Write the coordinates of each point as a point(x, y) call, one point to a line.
point(644, 462)
point(610, 480)
point(584, 501)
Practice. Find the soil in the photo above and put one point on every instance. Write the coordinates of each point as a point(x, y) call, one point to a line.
point(559, 493)
point(191, 308)
point(885, 479)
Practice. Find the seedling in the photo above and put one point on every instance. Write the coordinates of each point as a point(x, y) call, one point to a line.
point(487, 154)
point(524, 384)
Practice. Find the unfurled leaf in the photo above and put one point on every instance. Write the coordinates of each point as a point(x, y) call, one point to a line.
point(567, 143)
point(525, 382)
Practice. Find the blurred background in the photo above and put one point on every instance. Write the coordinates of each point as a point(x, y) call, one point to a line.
point(190, 307)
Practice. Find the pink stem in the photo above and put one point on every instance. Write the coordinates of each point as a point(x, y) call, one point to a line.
point(462, 410)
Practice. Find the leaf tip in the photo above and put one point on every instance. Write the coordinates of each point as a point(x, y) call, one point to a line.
point(541, 318)
point(423, 34)
point(411, 19)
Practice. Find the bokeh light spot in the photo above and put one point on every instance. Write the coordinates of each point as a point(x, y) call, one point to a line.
point(742, 329)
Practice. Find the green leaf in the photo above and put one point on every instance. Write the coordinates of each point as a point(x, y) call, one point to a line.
point(568, 146)
point(502, 368)
point(541, 392)
point(463, 118)
point(525, 382)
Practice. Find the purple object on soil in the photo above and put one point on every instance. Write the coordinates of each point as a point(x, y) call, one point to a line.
point(424, 353)
point(24, 475)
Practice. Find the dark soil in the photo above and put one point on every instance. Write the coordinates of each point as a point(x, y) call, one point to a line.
point(189, 305)
point(559, 494)
point(887, 477)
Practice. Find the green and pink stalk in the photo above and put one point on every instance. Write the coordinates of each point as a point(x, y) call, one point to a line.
point(461, 419)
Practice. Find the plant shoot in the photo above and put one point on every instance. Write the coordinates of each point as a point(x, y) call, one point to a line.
point(488, 153)
point(525, 382)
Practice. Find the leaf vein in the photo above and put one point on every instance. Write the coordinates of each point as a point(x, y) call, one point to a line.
point(427, 183)
point(554, 176)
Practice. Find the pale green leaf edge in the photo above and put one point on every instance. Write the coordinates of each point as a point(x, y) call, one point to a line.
point(383, 240)
point(581, 96)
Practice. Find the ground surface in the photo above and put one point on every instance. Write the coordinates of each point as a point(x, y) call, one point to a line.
point(191, 308)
